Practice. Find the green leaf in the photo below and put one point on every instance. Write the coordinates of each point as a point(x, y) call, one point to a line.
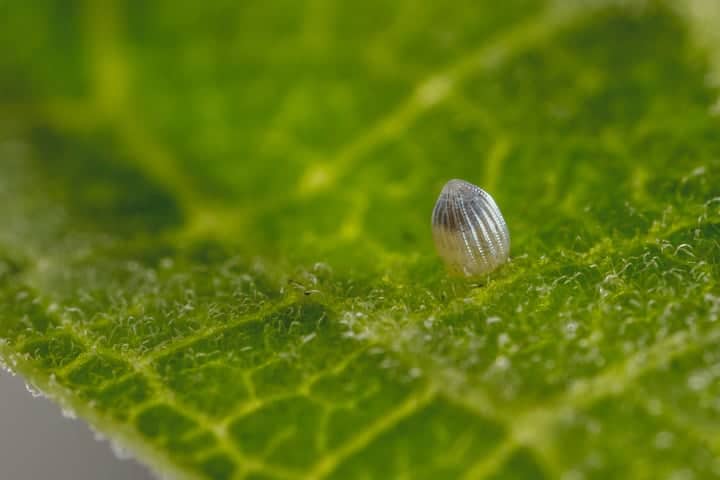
point(215, 240)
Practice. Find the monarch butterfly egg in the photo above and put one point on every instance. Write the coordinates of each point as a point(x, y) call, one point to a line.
point(469, 231)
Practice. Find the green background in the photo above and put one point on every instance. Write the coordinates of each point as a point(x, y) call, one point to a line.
point(215, 241)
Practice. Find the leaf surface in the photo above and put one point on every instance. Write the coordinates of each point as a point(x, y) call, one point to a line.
point(216, 247)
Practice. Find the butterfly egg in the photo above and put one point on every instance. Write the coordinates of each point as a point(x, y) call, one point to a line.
point(469, 231)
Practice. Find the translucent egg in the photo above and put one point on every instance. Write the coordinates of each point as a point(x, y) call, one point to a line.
point(469, 231)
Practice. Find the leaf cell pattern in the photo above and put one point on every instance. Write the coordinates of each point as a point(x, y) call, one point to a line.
point(215, 245)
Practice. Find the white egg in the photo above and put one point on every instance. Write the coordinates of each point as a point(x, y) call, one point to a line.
point(469, 231)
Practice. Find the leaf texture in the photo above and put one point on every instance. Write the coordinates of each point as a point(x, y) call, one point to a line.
point(216, 246)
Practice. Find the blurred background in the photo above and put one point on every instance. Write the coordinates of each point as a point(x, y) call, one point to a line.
point(38, 442)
